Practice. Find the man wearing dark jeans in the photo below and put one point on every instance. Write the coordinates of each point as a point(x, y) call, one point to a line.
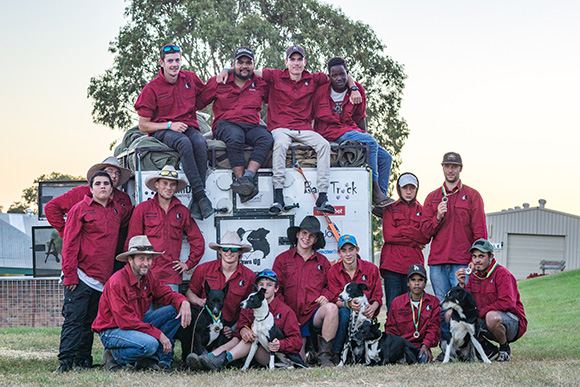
point(236, 109)
point(167, 111)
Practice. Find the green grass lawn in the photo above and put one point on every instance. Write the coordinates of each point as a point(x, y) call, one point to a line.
point(548, 354)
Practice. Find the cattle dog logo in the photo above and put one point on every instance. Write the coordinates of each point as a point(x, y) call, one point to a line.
point(319, 268)
point(242, 283)
point(278, 316)
point(365, 277)
point(256, 238)
point(464, 197)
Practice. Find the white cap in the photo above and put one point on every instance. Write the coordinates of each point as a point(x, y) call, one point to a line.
point(406, 179)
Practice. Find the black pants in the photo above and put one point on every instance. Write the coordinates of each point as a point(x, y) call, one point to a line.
point(237, 134)
point(79, 311)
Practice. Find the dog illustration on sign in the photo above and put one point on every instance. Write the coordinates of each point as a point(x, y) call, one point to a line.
point(257, 238)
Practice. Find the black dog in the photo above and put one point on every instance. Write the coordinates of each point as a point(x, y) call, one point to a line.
point(463, 326)
point(383, 348)
point(206, 324)
point(352, 350)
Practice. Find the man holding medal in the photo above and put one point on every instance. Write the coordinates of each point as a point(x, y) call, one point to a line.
point(454, 217)
point(415, 316)
point(501, 313)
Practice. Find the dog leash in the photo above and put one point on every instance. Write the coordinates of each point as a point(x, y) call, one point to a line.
point(193, 333)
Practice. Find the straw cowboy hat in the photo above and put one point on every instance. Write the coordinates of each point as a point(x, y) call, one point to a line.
point(168, 172)
point(309, 223)
point(138, 245)
point(111, 161)
point(231, 239)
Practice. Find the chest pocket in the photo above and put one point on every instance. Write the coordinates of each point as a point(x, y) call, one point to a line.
point(176, 224)
point(152, 224)
point(252, 98)
point(93, 223)
point(165, 99)
point(400, 219)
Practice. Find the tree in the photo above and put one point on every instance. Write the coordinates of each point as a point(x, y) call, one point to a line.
point(29, 197)
point(209, 31)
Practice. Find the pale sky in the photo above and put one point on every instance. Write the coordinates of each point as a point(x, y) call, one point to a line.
point(496, 81)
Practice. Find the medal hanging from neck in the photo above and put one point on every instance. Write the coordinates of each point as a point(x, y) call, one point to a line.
point(445, 193)
point(416, 321)
point(488, 273)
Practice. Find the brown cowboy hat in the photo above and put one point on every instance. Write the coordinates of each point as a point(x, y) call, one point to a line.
point(111, 161)
point(138, 245)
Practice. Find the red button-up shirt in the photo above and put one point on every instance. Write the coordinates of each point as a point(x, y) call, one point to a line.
point(56, 209)
point(125, 301)
point(400, 320)
point(232, 103)
point(165, 232)
point(241, 284)
point(302, 281)
point(331, 125)
point(163, 101)
point(290, 102)
point(366, 273)
point(284, 318)
point(463, 224)
point(402, 235)
point(499, 292)
point(90, 239)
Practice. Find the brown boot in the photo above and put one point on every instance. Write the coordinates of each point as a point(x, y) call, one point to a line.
point(379, 198)
point(324, 352)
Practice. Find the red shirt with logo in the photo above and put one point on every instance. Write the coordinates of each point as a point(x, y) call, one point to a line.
point(284, 318)
point(331, 125)
point(301, 282)
point(366, 273)
point(463, 224)
point(232, 103)
point(403, 236)
point(90, 239)
point(290, 102)
point(400, 320)
point(241, 284)
point(125, 301)
point(165, 232)
point(163, 101)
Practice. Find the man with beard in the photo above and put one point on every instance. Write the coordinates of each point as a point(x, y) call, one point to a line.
point(236, 109)
point(453, 215)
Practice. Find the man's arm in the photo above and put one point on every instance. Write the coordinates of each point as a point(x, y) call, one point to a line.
point(57, 208)
point(147, 126)
point(71, 248)
point(196, 242)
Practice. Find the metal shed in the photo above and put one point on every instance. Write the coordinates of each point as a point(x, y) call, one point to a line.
point(524, 236)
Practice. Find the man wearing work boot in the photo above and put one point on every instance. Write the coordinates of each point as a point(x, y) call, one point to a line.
point(236, 109)
point(338, 120)
point(302, 273)
point(167, 111)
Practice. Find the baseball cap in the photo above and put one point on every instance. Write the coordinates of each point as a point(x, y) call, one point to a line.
point(294, 49)
point(482, 245)
point(452, 158)
point(417, 269)
point(344, 239)
point(244, 51)
point(407, 179)
point(268, 274)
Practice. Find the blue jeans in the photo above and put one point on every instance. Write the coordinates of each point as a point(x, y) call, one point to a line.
point(395, 285)
point(129, 347)
point(443, 279)
point(379, 159)
point(237, 134)
point(342, 331)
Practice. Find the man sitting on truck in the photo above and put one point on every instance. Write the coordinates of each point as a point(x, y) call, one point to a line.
point(236, 109)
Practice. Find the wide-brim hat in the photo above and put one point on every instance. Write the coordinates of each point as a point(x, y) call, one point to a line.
point(138, 245)
point(167, 172)
point(231, 239)
point(111, 161)
point(309, 223)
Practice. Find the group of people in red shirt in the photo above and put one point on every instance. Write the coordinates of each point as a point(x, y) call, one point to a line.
point(101, 222)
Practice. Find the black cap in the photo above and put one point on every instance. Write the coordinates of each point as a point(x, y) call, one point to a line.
point(452, 158)
point(417, 269)
point(293, 49)
point(244, 51)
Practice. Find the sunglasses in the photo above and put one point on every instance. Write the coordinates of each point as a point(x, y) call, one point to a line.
point(268, 273)
point(168, 173)
point(232, 249)
point(171, 48)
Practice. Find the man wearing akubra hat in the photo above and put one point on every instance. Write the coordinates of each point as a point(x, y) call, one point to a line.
point(302, 273)
point(225, 270)
point(236, 108)
point(133, 333)
point(404, 240)
point(165, 220)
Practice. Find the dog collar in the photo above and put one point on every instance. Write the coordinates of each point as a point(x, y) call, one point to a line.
point(214, 318)
point(263, 318)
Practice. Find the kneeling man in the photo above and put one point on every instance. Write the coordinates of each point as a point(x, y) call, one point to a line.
point(131, 333)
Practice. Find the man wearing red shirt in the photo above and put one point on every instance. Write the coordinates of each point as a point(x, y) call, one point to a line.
point(89, 242)
point(352, 269)
point(131, 331)
point(167, 111)
point(501, 313)
point(338, 120)
point(453, 215)
point(165, 220)
point(236, 108)
point(404, 240)
point(302, 272)
point(415, 315)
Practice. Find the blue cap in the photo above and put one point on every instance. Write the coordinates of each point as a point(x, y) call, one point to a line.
point(344, 239)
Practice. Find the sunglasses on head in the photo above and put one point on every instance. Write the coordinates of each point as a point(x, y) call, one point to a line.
point(232, 249)
point(168, 173)
point(171, 48)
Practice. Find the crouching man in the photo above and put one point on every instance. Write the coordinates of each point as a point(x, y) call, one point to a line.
point(501, 313)
point(132, 334)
